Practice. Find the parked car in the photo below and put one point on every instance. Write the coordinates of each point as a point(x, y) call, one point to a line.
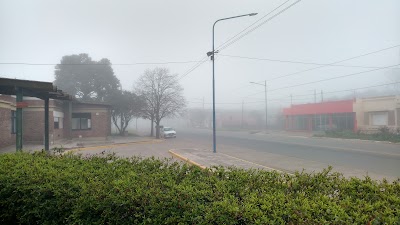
point(169, 132)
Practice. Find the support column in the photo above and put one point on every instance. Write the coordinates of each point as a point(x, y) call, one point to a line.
point(46, 124)
point(69, 120)
point(18, 142)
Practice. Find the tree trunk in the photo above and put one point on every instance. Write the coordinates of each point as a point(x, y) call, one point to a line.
point(121, 131)
point(158, 129)
point(152, 127)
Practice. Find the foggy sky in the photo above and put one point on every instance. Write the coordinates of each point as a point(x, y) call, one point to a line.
point(316, 31)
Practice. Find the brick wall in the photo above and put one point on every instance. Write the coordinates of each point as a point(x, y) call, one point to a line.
point(33, 120)
point(33, 126)
point(6, 138)
point(100, 126)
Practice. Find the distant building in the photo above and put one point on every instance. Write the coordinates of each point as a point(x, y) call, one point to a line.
point(365, 114)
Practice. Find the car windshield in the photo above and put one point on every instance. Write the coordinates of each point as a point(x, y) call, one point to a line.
point(168, 129)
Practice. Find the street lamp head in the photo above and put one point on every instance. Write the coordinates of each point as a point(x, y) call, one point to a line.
point(253, 14)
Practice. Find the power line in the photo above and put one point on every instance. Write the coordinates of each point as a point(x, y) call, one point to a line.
point(285, 98)
point(296, 62)
point(96, 64)
point(230, 39)
point(334, 78)
point(192, 68)
point(226, 43)
point(259, 25)
point(340, 61)
point(353, 89)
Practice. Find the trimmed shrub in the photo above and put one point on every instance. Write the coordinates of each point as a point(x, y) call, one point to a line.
point(69, 189)
point(383, 134)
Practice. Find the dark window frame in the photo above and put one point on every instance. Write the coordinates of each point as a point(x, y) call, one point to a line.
point(57, 123)
point(82, 117)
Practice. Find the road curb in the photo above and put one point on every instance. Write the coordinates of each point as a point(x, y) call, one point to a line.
point(186, 159)
point(112, 145)
point(250, 162)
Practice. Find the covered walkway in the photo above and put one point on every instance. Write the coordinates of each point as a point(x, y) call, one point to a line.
point(41, 90)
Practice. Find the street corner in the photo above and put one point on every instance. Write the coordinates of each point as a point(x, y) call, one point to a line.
point(113, 145)
point(179, 153)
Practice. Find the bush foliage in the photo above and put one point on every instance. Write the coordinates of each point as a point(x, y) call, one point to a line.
point(383, 134)
point(69, 189)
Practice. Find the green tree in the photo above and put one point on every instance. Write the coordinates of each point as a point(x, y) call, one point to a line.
point(126, 106)
point(86, 79)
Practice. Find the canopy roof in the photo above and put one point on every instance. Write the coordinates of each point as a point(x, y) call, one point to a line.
point(30, 88)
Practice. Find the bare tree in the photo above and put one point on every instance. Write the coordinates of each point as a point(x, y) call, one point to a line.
point(163, 95)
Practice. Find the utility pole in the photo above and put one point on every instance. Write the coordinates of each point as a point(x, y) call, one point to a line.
point(212, 55)
point(266, 102)
point(322, 96)
point(242, 112)
point(315, 95)
point(266, 107)
point(291, 99)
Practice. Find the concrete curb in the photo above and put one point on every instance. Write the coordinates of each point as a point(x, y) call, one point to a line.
point(186, 159)
point(113, 145)
point(262, 166)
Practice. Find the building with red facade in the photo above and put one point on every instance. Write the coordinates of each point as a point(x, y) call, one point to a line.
point(321, 116)
point(364, 114)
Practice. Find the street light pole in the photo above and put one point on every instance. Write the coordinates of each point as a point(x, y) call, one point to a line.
point(266, 103)
point(212, 55)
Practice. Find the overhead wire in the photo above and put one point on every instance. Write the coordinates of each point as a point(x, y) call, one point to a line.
point(95, 64)
point(294, 97)
point(234, 39)
point(322, 80)
point(336, 62)
point(296, 62)
point(259, 25)
point(334, 78)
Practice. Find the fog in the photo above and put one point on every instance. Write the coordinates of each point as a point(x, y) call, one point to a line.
point(175, 35)
point(304, 127)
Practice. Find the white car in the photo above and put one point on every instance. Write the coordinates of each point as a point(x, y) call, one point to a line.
point(169, 132)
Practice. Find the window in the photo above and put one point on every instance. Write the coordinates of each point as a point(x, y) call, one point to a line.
point(379, 118)
point(81, 121)
point(58, 123)
point(58, 119)
point(13, 121)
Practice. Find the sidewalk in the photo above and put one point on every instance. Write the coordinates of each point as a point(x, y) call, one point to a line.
point(78, 143)
point(206, 158)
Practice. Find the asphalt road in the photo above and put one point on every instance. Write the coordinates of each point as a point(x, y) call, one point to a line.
point(291, 153)
point(280, 151)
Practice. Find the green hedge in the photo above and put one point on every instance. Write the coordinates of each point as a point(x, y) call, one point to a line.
point(381, 135)
point(42, 189)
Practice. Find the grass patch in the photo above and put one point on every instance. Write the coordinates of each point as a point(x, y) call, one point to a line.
point(69, 189)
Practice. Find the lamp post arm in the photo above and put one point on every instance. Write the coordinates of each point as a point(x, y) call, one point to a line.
point(258, 83)
point(228, 18)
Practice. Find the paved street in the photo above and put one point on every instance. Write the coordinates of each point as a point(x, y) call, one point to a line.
point(284, 152)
